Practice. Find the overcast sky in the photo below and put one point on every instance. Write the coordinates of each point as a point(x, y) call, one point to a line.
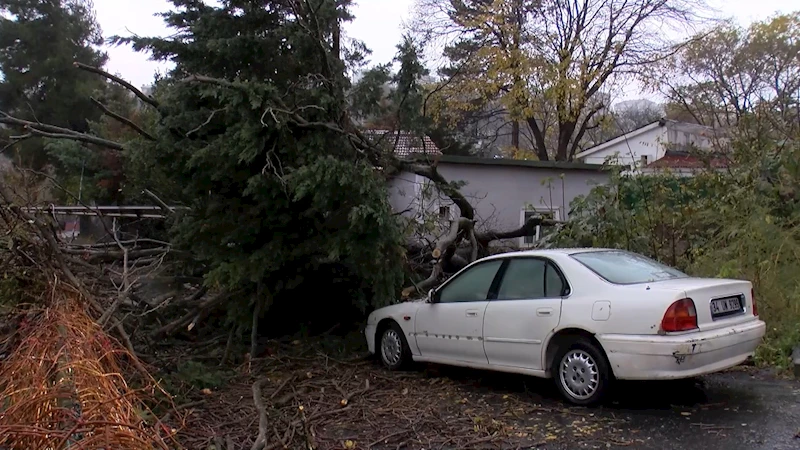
point(379, 23)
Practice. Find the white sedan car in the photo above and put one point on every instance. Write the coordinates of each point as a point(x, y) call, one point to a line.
point(582, 316)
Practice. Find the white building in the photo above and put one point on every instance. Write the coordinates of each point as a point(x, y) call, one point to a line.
point(665, 144)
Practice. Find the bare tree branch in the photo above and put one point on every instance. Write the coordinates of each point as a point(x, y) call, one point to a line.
point(430, 172)
point(144, 97)
point(52, 131)
point(121, 119)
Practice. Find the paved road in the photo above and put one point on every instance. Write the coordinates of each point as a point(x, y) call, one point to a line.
point(741, 409)
point(728, 411)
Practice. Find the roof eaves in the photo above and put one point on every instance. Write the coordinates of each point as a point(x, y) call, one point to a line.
point(562, 165)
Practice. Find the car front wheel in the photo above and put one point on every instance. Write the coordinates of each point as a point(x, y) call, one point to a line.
point(393, 348)
point(582, 374)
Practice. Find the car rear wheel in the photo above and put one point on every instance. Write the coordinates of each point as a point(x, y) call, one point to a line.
point(581, 372)
point(393, 348)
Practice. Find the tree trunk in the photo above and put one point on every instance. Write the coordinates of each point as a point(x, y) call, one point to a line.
point(515, 135)
point(538, 136)
point(565, 131)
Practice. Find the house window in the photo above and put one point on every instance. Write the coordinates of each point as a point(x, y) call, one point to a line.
point(643, 160)
point(444, 212)
point(541, 231)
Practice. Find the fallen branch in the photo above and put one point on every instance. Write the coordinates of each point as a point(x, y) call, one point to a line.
point(52, 131)
point(441, 253)
point(158, 200)
point(527, 229)
point(430, 172)
point(190, 317)
point(122, 120)
point(258, 400)
point(97, 256)
point(144, 97)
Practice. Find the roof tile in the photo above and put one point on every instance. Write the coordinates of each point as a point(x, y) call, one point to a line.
point(405, 144)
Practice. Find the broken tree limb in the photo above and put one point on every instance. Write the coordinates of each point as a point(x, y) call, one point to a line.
point(443, 252)
point(527, 229)
point(191, 316)
point(473, 242)
point(430, 172)
point(263, 424)
point(449, 254)
point(144, 97)
point(123, 120)
point(95, 256)
point(52, 131)
point(167, 209)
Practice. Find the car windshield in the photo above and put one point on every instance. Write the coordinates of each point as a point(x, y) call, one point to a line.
point(620, 267)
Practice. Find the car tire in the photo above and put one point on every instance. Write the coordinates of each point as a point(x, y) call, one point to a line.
point(393, 349)
point(581, 372)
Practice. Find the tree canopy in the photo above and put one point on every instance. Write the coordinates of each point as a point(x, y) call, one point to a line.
point(39, 42)
point(548, 65)
point(731, 73)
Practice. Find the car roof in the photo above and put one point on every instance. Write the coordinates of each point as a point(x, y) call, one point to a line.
point(549, 252)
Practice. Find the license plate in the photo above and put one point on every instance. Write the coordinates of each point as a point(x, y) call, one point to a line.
point(725, 306)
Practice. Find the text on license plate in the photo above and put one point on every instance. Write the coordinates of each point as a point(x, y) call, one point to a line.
point(725, 305)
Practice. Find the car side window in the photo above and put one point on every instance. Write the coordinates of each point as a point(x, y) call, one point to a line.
point(530, 278)
point(553, 283)
point(523, 279)
point(472, 285)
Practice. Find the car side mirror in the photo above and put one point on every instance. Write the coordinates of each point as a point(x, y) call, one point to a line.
point(430, 297)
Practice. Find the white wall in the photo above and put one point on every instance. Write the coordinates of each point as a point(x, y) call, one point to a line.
point(629, 151)
point(500, 194)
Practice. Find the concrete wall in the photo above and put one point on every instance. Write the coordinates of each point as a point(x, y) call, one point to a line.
point(500, 194)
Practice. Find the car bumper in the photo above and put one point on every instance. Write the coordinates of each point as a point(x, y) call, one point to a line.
point(681, 356)
point(369, 334)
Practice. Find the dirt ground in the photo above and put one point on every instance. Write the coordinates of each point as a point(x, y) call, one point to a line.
point(315, 401)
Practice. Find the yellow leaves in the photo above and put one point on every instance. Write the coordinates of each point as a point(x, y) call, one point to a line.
point(520, 153)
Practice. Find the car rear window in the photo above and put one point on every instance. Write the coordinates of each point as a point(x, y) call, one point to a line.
point(620, 267)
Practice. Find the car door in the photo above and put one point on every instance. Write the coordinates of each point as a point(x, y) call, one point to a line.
point(527, 307)
point(450, 326)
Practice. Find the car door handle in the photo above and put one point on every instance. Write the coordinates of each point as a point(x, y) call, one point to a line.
point(472, 313)
point(543, 312)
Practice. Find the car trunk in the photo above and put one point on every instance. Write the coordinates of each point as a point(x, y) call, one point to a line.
point(719, 302)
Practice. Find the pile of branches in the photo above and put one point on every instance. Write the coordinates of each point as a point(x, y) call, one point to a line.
point(61, 371)
point(62, 386)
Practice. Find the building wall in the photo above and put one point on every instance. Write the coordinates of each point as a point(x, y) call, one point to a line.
point(650, 144)
point(499, 194)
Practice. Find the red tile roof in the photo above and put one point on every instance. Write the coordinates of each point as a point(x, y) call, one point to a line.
point(687, 162)
point(405, 144)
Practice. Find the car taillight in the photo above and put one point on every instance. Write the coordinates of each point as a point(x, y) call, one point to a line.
point(680, 316)
point(753, 298)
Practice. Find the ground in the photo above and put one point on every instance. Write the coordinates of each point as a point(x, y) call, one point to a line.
point(312, 399)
